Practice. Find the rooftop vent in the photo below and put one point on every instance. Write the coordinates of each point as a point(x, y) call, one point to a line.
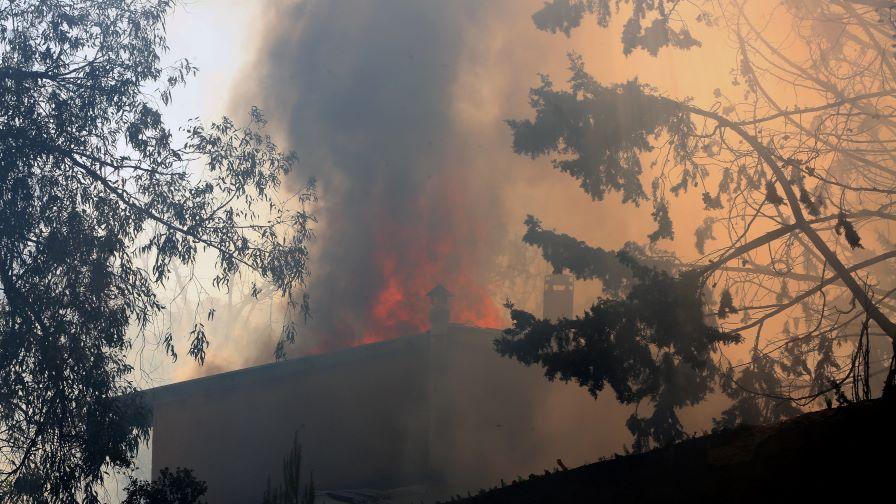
point(558, 296)
point(440, 309)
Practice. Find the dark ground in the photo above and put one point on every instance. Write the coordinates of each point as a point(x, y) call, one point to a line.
point(843, 454)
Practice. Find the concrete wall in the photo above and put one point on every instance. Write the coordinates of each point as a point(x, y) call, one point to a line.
point(443, 411)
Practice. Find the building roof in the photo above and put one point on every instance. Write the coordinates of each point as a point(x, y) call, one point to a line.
point(290, 367)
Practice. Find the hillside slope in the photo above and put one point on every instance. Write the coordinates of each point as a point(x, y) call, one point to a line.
point(820, 456)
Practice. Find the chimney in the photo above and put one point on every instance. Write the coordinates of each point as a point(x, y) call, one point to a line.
point(558, 296)
point(440, 309)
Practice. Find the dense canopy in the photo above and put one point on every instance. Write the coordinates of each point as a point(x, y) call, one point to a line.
point(92, 183)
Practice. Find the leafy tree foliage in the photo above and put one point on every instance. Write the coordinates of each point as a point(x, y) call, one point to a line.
point(798, 188)
point(596, 133)
point(652, 344)
point(577, 257)
point(754, 395)
point(178, 487)
point(90, 178)
point(663, 30)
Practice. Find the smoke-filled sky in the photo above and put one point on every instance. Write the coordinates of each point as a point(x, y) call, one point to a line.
point(367, 90)
point(397, 108)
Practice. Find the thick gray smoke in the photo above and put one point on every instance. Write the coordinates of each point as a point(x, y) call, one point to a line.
point(367, 88)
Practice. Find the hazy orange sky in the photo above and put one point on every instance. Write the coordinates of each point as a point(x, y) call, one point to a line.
point(502, 54)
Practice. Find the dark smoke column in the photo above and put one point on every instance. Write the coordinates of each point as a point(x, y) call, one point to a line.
point(366, 89)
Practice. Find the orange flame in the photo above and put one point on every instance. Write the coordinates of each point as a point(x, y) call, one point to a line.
point(439, 246)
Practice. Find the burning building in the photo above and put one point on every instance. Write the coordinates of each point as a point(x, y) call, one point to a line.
point(378, 100)
point(440, 411)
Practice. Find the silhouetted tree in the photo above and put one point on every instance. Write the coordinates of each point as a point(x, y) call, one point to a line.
point(291, 490)
point(795, 191)
point(90, 177)
point(663, 28)
point(178, 487)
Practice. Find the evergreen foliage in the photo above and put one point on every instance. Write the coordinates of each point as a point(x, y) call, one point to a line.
point(782, 186)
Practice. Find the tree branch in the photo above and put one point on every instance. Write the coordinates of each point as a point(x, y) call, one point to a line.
point(802, 224)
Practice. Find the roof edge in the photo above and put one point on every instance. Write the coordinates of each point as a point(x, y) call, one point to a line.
point(297, 365)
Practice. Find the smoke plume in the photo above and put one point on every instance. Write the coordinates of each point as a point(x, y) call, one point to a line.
point(367, 90)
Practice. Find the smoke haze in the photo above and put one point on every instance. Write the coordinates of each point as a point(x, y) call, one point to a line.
point(397, 108)
point(365, 91)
